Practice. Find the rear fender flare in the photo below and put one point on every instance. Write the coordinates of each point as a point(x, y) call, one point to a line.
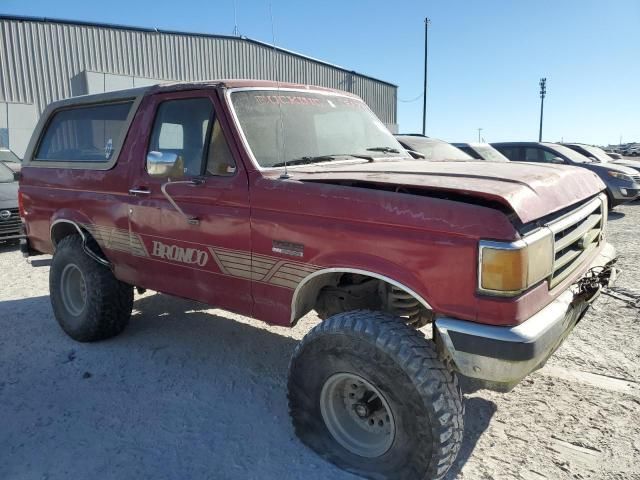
point(63, 223)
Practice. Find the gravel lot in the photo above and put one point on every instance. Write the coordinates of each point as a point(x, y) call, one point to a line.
point(192, 392)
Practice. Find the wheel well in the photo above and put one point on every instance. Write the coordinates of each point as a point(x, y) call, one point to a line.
point(64, 228)
point(334, 291)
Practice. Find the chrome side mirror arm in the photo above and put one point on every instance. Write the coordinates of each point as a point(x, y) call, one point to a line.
point(194, 183)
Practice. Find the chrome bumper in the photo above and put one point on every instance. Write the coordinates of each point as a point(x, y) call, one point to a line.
point(502, 356)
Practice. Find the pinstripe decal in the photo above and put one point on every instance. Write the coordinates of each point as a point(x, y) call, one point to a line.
point(118, 239)
point(261, 268)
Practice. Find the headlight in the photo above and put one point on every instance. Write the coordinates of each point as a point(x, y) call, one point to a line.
point(508, 269)
point(620, 175)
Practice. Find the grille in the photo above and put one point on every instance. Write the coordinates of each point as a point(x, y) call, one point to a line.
point(576, 235)
point(11, 226)
point(636, 178)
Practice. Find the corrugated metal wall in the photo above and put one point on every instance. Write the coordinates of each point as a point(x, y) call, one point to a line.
point(39, 59)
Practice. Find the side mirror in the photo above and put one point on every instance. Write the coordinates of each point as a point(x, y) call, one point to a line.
point(557, 160)
point(594, 160)
point(16, 176)
point(160, 164)
point(416, 155)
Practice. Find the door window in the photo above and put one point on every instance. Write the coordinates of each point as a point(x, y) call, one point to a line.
point(532, 155)
point(178, 139)
point(220, 162)
point(549, 156)
point(511, 153)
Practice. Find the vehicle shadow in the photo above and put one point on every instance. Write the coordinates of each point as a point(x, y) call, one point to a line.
point(477, 417)
point(615, 215)
point(9, 247)
point(182, 393)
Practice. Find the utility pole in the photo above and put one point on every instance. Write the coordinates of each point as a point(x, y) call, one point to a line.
point(543, 92)
point(479, 130)
point(236, 33)
point(424, 89)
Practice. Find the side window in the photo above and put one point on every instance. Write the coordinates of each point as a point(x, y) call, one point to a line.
point(220, 161)
point(510, 152)
point(84, 134)
point(471, 152)
point(178, 139)
point(531, 155)
point(549, 156)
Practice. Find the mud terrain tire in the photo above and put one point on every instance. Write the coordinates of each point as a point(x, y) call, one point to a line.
point(395, 361)
point(89, 303)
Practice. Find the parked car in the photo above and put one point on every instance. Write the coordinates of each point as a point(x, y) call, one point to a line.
point(272, 200)
point(600, 156)
point(10, 159)
point(481, 151)
point(632, 150)
point(10, 224)
point(623, 183)
point(432, 149)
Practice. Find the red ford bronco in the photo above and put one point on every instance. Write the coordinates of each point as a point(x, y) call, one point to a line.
point(272, 200)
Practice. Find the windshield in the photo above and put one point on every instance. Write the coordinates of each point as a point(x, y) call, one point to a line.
point(491, 154)
point(598, 153)
point(290, 126)
point(572, 155)
point(436, 150)
point(6, 174)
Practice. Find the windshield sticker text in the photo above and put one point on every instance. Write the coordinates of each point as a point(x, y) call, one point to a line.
point(287, 100)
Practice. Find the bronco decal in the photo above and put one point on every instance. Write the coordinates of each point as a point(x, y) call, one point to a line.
point(233, 263)
point(190, 256)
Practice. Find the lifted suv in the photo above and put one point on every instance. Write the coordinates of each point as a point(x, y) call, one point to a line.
point(273, 200)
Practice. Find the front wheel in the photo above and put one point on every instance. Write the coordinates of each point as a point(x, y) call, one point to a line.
point(368, 393)
point(88, 301)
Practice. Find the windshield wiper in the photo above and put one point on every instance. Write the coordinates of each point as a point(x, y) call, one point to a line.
point(320, 158)
point(305, 160)
point(383, 149)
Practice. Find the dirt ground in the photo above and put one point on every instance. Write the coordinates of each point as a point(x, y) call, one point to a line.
point(191, 392)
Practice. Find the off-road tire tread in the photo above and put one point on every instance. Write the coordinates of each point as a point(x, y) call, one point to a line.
point(435, 383)
point(110, 301)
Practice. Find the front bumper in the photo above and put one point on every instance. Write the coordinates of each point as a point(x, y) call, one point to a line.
point(624, 192)
point(499, 357)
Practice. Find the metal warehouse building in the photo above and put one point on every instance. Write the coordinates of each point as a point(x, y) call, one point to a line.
point(43, 60)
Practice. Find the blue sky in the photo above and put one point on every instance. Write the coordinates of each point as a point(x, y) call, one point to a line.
point(485, 58)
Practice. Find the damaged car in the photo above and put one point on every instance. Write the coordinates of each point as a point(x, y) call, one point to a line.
point(275, 200)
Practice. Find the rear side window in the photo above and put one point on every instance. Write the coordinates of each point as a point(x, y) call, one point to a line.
point(85, 134)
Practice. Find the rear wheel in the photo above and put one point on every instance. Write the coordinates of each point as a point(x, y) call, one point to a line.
point(368, 393)
point(88, 302)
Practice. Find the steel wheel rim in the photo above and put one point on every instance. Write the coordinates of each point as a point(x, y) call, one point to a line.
point(357, 415)
point(73, 289)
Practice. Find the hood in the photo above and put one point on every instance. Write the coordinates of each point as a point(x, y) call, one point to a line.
point(8, 195)
point(530, 190)
point(635, 164)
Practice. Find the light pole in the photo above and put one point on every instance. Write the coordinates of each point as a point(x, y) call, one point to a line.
point(479, 130)
point(424, 89)
point(543, 92)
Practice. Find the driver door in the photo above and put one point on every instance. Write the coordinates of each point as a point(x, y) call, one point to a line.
point(189, 206)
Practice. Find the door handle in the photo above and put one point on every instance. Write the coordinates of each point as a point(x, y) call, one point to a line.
point(139, 191)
